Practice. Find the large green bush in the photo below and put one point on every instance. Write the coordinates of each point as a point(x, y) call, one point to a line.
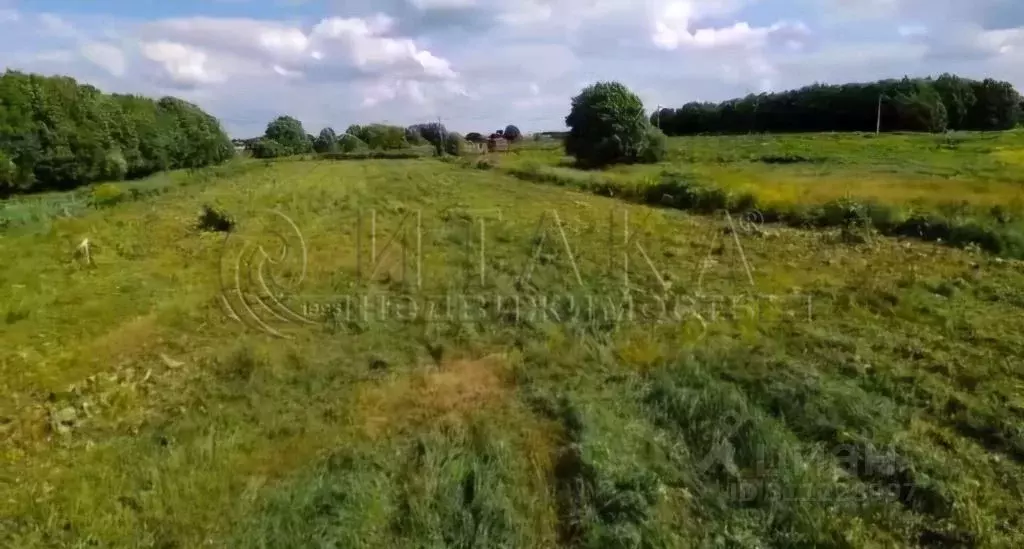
point(268, 148)
point(349, 143)
point(607, 125)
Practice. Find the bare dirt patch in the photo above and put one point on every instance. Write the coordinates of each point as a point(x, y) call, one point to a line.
point(448, 393)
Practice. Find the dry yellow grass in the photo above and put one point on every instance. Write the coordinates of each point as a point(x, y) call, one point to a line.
point(447, 393)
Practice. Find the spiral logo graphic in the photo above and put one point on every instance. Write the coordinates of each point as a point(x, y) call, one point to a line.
point(261, 264)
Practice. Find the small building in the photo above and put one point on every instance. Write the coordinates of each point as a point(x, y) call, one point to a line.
point(497, 144)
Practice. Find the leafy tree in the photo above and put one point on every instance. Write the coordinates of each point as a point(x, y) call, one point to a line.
point(289, 134)
point(475, 137)
point(607, 125)
point(381, 136)
point(907, 105)
point(57, 134)
point(432, 132)
point(8, 175)
point(920, 109)
point(958, 97)
point(512, 133)
point(326, 142)
point(996, 106)
point(413, 136)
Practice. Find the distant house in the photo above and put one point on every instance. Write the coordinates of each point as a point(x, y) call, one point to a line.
point(497, 144)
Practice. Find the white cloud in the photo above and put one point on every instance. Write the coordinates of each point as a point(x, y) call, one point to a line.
point(482, 64)
point(442, 4)
point(183, 64)
point(912, 30)
point(106, 56)
point(55, 25)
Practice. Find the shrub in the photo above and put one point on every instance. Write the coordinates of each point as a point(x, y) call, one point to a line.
point(606, 126)
point(216, 220)
point(268, 148)
point(349, 143)
point(483, 163)
point(655, 146)
point(454, 144)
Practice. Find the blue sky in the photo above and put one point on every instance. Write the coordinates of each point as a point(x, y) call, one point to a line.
point(482, 64)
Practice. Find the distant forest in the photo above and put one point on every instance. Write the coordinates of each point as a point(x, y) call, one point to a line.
point(57, 134)
point(908, 104)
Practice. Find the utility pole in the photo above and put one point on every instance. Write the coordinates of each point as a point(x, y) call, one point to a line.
point(753, 117)
point(878, 121)
point(441, 131)
point(657, 118)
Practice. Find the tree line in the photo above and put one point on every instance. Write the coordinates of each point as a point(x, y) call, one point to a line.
point(948, 102)
point(58, 134)
point(285, 136)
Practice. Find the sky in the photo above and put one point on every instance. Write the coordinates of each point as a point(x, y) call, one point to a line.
point(479, 65)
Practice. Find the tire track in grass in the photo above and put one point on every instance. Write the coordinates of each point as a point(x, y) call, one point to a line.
point(840, 414)
point(754, 479)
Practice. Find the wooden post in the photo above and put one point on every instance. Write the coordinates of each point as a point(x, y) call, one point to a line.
point(878, 122)
point(441, 131)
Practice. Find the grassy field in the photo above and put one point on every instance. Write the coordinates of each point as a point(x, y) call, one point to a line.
point(960, 188)
point(704, 381)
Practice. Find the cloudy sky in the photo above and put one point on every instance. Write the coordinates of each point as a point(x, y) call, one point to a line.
point(481, 64)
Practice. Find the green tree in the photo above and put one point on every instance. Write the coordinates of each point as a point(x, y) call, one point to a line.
point(413, 136)
point(326, 142)
point(958, 98)
point(996, 106)
point(57, 134)
point(607, 125)
point(384, 137)
point(432, 132)
point(512, 133)
point(909, 104)
point(289, 133)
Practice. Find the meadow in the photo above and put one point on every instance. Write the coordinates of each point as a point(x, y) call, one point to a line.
point(615, 373)
point(960, 187)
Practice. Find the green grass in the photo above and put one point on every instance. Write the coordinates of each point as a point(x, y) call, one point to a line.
point(961, 189)
point(875, 401)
